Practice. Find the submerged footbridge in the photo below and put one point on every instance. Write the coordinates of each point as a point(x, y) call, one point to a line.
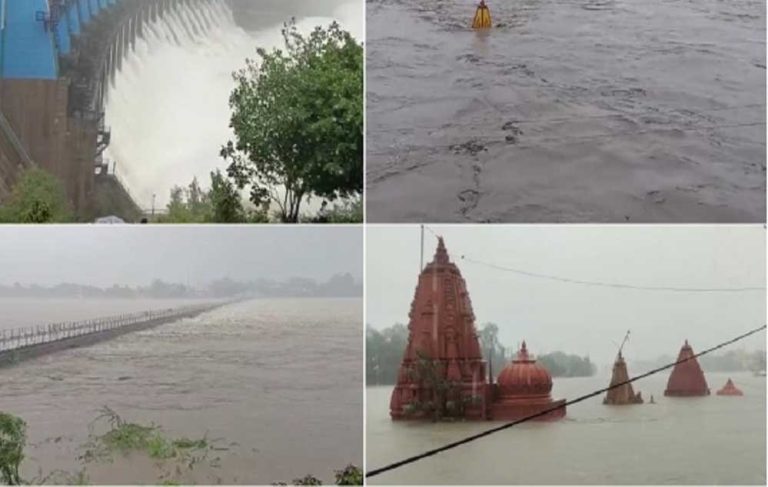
point(57, 58)
point(26, 343)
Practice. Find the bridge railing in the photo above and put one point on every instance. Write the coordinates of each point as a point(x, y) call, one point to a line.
point(19, 338)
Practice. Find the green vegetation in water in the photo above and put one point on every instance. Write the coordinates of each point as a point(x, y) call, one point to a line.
point(297, 115)
point(37, 197)
point(351, 475)
point(123, 438)
point(13, 439)
point(446, 400)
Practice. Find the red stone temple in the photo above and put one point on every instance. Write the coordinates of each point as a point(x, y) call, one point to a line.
point(623, 394)
point(687, 378)
point(441, 328)
point(443, 349)
point(523, 388)
point(729, 389)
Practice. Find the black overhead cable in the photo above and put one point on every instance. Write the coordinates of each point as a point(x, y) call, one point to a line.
point(469, 439)
point(613, 285)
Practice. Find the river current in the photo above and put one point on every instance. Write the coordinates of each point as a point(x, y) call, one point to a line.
point(566, 111)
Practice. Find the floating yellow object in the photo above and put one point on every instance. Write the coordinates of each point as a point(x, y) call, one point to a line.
point(482, 18)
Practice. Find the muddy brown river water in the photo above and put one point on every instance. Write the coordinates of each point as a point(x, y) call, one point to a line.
point(567, 111)
point(277, 383)
point(702, 441)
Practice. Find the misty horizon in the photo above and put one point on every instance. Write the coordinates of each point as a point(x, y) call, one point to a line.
point(579, 319)
point(193, 255)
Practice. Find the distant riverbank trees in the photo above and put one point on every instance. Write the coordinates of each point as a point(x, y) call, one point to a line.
point(338, 286)
point(385, 348)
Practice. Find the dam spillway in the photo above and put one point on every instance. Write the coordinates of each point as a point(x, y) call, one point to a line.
point(57, 60)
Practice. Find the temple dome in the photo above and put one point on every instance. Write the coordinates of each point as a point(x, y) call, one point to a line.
point(523, 376)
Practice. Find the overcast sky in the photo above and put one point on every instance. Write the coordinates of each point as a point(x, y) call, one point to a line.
point(135, 255)
point(584, 319)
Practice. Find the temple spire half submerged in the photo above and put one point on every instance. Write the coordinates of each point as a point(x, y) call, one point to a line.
point(623, 394)
point(687, 378)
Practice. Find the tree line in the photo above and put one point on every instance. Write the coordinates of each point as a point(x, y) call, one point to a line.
point(385, 349)
point(338, 286)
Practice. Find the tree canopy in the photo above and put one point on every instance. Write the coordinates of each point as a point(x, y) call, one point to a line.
point(297, 115)
point(220, 204)
point(384, 351)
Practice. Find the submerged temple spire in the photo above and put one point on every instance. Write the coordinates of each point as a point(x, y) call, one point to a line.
point(687, 378)
point(623, 394)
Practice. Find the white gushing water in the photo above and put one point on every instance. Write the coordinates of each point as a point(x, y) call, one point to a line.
point(168, 107)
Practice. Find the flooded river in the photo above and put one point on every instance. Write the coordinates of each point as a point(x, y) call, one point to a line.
point(708, 440)
point(276, 383)
point(593, 110)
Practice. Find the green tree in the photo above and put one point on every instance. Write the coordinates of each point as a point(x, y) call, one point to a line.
point(492, 350)
point(298, 121)
point(221, 204)
point(13, 438)
point(560, 364)
point(383, 353)
point(350, 211)
point(227, 207)
point(37, 197)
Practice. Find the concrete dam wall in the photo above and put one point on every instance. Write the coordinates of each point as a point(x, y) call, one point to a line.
point(57, 58)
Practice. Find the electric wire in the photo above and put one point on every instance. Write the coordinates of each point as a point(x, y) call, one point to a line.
point(613, 285)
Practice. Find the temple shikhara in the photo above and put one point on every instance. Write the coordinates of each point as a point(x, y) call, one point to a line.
point(687, 378)
point(623, 394)
point(729, 389)
point(443, 372)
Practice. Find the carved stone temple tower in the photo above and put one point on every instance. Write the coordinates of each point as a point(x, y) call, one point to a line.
point(443, 347)
point(687, 378)
point(622, 394)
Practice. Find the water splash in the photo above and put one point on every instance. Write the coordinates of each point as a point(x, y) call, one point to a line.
point(168, 106)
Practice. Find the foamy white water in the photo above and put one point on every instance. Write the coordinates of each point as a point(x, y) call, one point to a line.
point(168, 108)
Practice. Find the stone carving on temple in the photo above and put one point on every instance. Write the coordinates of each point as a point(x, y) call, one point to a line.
point(442, 371)
point(687, 378)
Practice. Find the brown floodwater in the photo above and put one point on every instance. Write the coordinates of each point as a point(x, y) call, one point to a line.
point(704, 440)
point(277, 383)
point(566, 111)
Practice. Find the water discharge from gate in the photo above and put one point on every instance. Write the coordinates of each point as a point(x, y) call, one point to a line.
point(168, 107)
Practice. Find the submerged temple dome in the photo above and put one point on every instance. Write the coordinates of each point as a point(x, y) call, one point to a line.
point(441, 329)
point(623, 394)
point(729, 389)
point(687, 378)
point(524, 388)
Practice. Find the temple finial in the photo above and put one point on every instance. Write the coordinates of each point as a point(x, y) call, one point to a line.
point(441, 254)
point(523, 353)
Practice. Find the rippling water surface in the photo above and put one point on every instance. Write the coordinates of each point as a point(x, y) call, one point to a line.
point(277, 382)
point(707, 440)
point(593, 110)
